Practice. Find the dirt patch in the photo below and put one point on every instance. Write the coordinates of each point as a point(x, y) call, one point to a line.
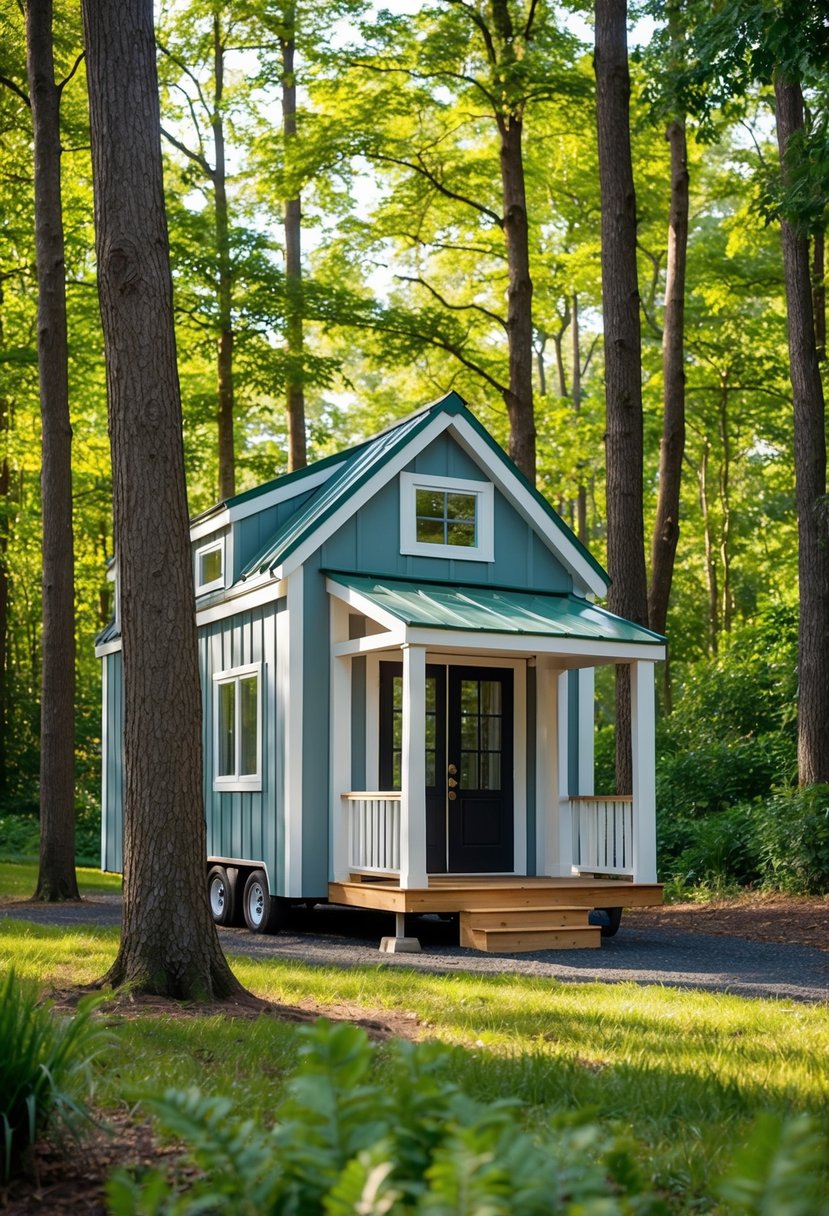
point(759, 918)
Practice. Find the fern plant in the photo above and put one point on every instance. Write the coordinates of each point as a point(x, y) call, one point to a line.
point(45, 1069)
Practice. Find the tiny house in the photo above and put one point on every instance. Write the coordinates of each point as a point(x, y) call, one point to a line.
point(397, 647)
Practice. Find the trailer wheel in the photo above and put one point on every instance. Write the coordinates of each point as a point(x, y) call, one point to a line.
point(264, 913)
point(610, 919)
point(221, 893)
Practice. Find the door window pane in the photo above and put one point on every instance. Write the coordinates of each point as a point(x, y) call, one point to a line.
point(491, 734)
point(469, 696)
point(490, 696)
point(490, 771)
point(469, 730)
point(469, 771)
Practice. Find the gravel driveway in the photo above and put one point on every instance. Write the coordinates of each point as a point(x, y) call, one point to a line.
point(347, 937)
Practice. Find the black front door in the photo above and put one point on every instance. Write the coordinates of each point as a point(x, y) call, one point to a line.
point(479, 754)
point(469, 762)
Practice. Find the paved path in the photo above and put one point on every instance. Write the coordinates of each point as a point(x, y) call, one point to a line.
point(337, 937)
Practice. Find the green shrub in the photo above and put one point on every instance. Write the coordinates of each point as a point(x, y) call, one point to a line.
point(719, 849)
point(45, 1070)
point(344, 1144)
point(793, 837)
point(20, 832)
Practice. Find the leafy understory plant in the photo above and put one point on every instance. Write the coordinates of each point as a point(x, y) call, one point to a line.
point(46, 1077)
point(344, 1145)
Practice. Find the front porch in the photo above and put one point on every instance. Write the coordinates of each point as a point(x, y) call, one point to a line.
point(505, 913)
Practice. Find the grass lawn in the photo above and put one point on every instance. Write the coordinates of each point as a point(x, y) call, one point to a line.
point(18, 880)
point(684, 1073)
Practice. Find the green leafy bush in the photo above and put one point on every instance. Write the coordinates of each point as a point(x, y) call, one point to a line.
point(343, 1144)
point(793, 837)
point(720, 849)
point(45, 1069)
point(20, 831)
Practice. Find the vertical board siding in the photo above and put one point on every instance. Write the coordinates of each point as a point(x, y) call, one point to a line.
point(241, 824)
point(256, 532)
point(112, 786)
point(369, 543)
point(315, 731)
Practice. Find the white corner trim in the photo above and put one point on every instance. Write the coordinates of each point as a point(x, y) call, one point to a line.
point(484, 548)
point(362, 604)
point(290, 639)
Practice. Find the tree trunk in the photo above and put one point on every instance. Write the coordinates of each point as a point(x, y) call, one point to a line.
point(810, 473)
point(725, 508)
point(295, 403)
point(672, 447)
point(169, 943)
point(56, 876)
point(819, 292)
point(224, 363)
point(628, 594)
point(5, 516)
point(581, 494)
point(519, 397)
point(710, 560)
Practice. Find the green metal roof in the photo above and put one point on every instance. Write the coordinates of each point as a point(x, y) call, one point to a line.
point(494, 610)
point(364, 461)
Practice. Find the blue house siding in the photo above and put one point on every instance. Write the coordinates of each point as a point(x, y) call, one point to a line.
point(370, 542)
point(253, 533)
point(242, 824)
point(112, 786)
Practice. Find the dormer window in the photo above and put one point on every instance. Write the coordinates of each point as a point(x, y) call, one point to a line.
point(210, 567)
point(446, 517)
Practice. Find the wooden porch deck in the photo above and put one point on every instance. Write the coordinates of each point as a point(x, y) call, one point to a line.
point(506, 913)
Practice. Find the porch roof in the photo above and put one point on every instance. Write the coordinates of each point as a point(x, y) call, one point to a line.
point(495, 610)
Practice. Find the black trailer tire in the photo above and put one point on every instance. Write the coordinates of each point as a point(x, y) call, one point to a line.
point(610, 927)
point(263, 912)
point(221, 895)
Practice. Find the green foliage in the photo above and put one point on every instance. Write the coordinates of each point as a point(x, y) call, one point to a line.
point(777, 1172)
point(20, 831)
point(793, 837)
point(45, 1069)
point(343, 1143)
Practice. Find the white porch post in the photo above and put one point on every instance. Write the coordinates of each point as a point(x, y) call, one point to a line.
point(413, 782)
point(587, 730)
point(553, 815)
point(340, 747)
point(642, 737)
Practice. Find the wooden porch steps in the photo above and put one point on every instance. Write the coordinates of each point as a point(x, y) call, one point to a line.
point(501, 930)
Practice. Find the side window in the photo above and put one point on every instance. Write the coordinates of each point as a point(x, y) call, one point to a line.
point(446, 517)
point(237, 716)
point(210, 567)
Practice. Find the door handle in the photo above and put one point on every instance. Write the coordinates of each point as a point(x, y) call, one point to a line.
point(452, 769)
point(452, 783)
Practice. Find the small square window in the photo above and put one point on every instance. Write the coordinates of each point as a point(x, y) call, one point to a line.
point(210, 567)
point(446, 517)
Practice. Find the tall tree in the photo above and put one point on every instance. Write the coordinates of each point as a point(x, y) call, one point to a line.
point(809, 457)
point(169, 943)
point(295, 388)
point(56, 875)
point(628, 594)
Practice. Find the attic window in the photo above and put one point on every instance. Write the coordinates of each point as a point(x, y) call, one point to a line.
point(446, 517)
point(210, 567)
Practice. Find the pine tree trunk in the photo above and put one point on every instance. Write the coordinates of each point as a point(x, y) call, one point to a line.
point(581, 495)
point(56, 875)
point(810, 474)
point(5, 515)
point(224, 362)
point(672, 447)
point(295, 398)
point(628, 594)
point(519, 398)
point(819, 292)
point(169, 943)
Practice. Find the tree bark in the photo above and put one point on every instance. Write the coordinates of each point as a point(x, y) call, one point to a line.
point(810, 472)
point(519, 397)
point(295, 397)
point(672, 447)
point(224, 362)
point(710, 560)
point(628, 594)
point(56, 875)
point(819, 292)
point(5, 516)
point(581, 493)
point(169, 943)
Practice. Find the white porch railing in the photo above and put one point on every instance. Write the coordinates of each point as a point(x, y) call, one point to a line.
point(373, 831)
point(603, 834)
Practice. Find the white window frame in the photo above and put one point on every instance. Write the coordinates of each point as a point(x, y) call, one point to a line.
point(235, 780)
point(484, 548)
point(215, 584)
